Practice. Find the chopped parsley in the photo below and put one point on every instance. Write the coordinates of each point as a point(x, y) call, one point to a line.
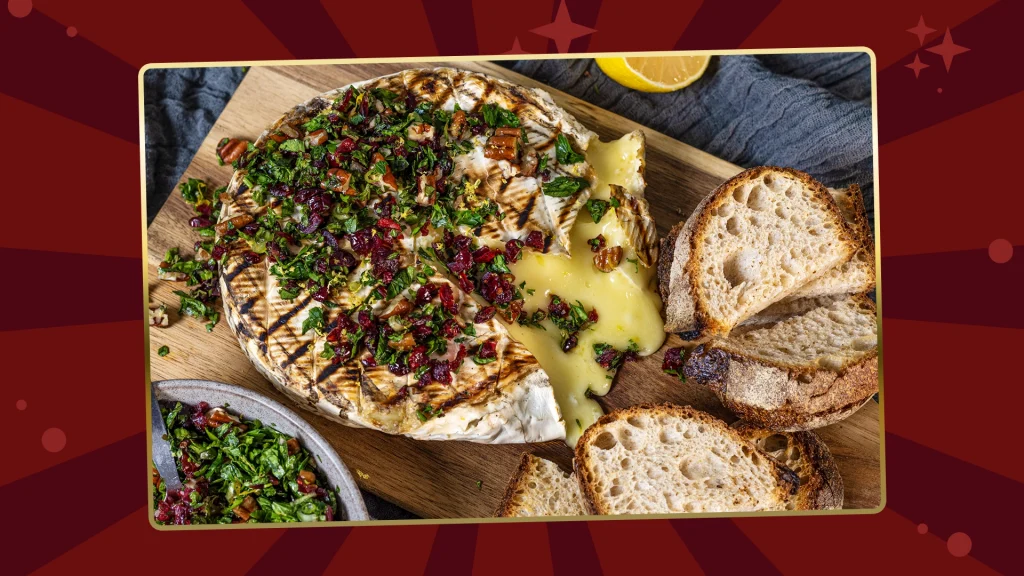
point(597, 209)
point(163, 351)
point(564, 186)
point(496, 117)
point(564, 152)
point(238, 471)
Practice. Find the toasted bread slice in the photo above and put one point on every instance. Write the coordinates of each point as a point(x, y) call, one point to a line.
point(663, 459)
point(752, 242)
point(802, 372)
point(540, 488)
point(821, 486)
point(857, 274)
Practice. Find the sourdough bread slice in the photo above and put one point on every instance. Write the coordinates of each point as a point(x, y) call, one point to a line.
point(753, 241)
point(802, 372)
point(821, 486)
point(540, 488)
point(663, 459)
point(857, 274)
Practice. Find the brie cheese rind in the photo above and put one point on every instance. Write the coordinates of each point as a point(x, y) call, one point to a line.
point(508, 400)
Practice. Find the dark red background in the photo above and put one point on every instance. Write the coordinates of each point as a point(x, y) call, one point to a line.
point(953, 318)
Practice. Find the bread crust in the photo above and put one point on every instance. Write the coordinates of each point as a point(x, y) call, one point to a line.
point(702, 323)
point(507, 507)
point(781, 397)
point(786, 480)
point(821, 486)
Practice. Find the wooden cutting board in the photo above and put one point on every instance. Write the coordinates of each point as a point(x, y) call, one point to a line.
point(453, 479)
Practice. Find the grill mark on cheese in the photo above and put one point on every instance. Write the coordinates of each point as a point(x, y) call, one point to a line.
point(287, 316)
point(525, 214)
point(242, 267)
point(294, 356)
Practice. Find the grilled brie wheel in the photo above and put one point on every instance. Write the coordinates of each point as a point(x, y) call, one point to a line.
point(408, 254)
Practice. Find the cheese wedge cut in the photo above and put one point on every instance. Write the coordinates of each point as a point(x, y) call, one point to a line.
point(627, 305)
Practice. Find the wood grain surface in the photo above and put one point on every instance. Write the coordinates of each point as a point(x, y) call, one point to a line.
point(440, 479)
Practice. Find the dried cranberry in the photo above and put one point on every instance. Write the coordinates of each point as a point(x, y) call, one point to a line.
point(420, 329)
point(450, 329)
point(384, 266)
point(418, 357)
point(346, 145)
point(485, 315)
point(343, 259)
point(466, 283)
point(425, 294)
point(342, 353)
point(200, 222)
point(369, 362)
point(329, 514)
point(303, 195)
point(570, 342)
point(398, 369)
point(205, 209)
point(322, 294)
point(463, 261)
point(385, 223)
point(188, 467)
point(314, 222)
point(607, 358)
point(513, 248)
point(321, 265)
point(361, 241)
point(448, 299)
point(280, 189)
point(329, 238)
point(488, 349)
point(592, 315)
point(275, 253)
point(218, 251)
point(558, 309)
point(673, 360)
point(252, 257)
point(535, 240)
point(251, 228)
point(483, 254)
point(319, 163)
point(440, 371)
point(496, 288)
point(364, 319)
point(597, 243)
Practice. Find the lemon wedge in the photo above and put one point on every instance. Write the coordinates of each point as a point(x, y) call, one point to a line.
point(654, 73)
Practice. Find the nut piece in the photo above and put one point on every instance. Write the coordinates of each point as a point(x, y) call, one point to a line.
point(158, 316)
point(231, 149)
point(338, 181)
point(400, 308)
point(235, 223)
point(608, 258)
point(457, 125)
point(316, 138)
point(420, 132)
point(502, 147)
point(406, 343)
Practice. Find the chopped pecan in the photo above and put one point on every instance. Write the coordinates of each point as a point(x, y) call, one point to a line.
point(307, 477)
point(249, 503)
point(388, 179)
point(235, 223)
point(502, 148)
point(608, 258)
point(503, 141)
point(528, 166)
point(242, 513)
point(420, 131)
point(277, 137)
point(406, 343)
point(158, 316)
point(293, 446)
point(425, 197)
point(506, 131)
point(458, 124)
point(231, 149)
point(288, 130)
point(400, 308)
point(316, 138)
point(514, 311)
point(338, 180)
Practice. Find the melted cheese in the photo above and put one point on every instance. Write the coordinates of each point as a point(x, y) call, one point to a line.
point(627, 305)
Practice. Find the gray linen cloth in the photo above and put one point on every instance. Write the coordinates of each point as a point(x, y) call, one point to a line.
point(806, 111)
